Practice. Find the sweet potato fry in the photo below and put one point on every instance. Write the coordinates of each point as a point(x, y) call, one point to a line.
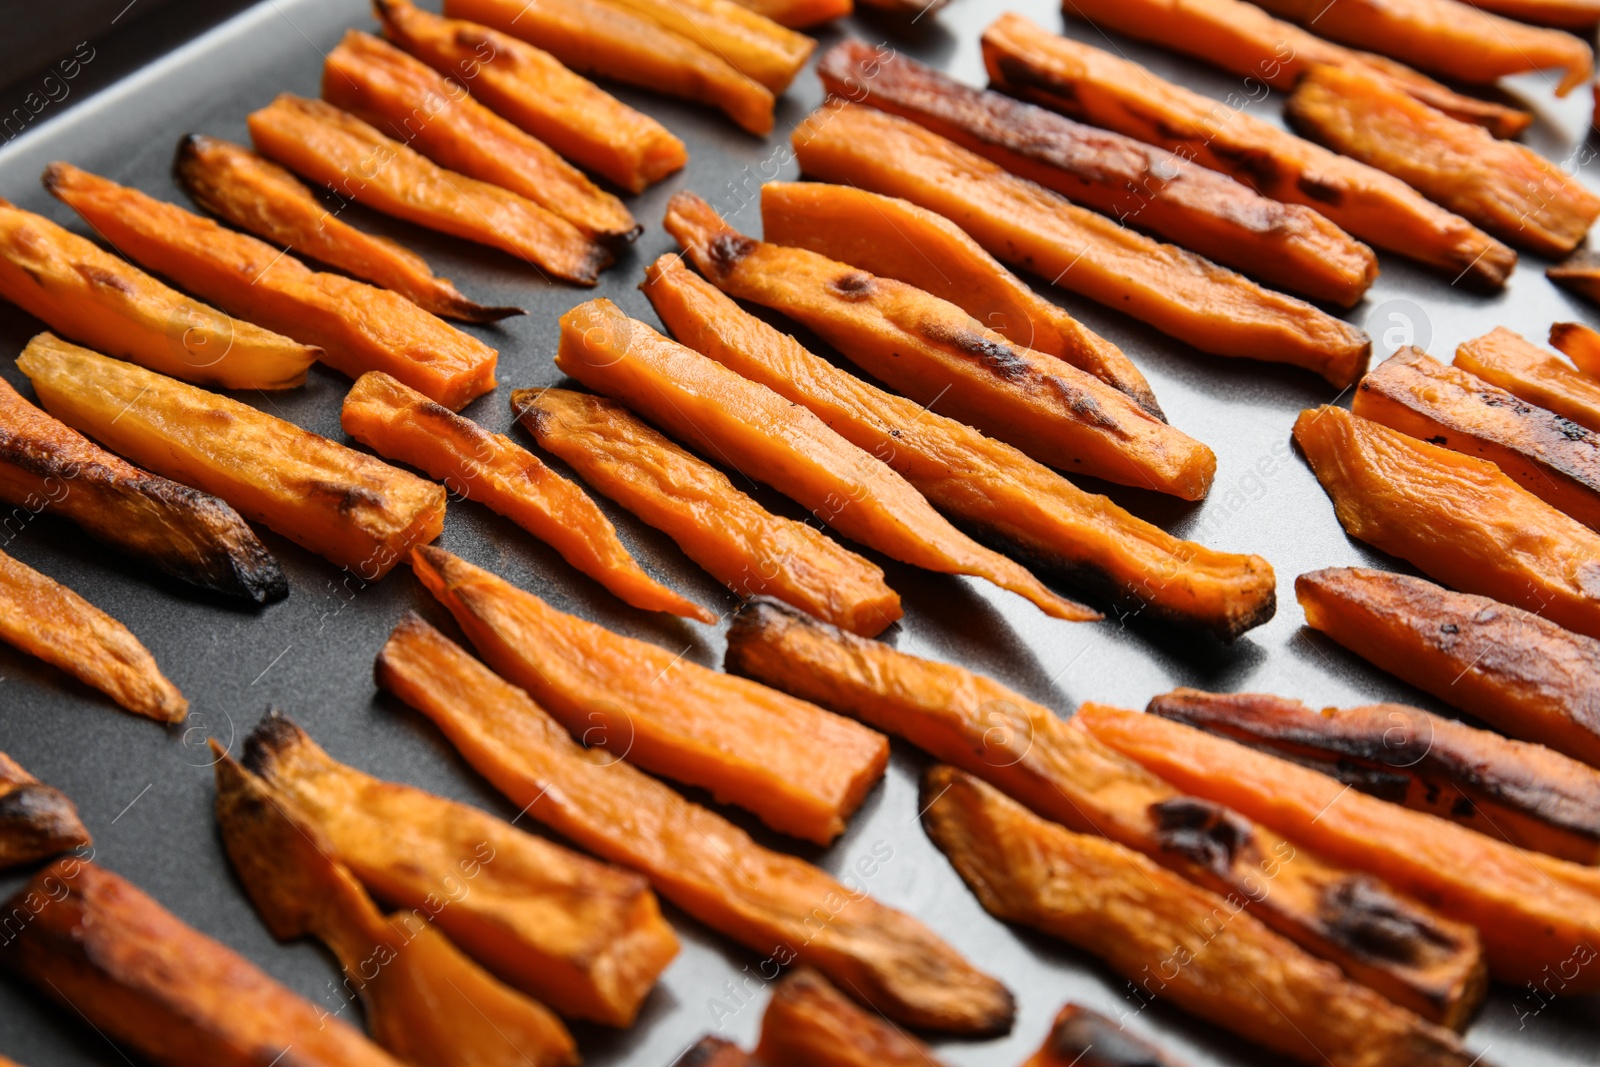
point(1574, 15)
point(356, 326)
point(1288, 245)
point(742, 544)
point(1455, 517)
point(90, 295)
point(754, 45)
point(597, 37)
point(1579, 343)
point(1578, 273)
point(1429, 964)
point(335, 149)
point(357, 511)
point(100, 947)
point(409, 100)
point(1503, 358)
point(754, 430)
point(809, 1023)
point(770, 902)
point(36, 821)
point(800, 14)
point(1549, 456)
point(929, 348)
point(1081, 1037)
point(1179, 942)
point(1008, 500)
point(1031, 228)
point(404, 425)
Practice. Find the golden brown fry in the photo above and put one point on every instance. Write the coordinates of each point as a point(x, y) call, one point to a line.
point(36, 821)
point(1579, 273)
point(1080, 1037)
point(1503, 358)
point(753, 44)
point(800, 14)
point(1579, 343)
point(809, 1023)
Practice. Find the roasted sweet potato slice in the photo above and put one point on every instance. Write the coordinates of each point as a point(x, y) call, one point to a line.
point(1000, 495)
point(335, 149)
point(1503, 358)
point(1171, 939)
point(46, 466)
point(1034, 229)
point(95, 297)
point(754, 430)
point(134, 972)
point(1579, 343)
point(742, 544)
point(1428, 963)
point(777, 905)
point(809, 1023)
point(1574, 15)
point(1507, 188)
point(1456, 517)
point(353, 509)
point(933, 351)
point(1288, 245)
point(356, 326)
point(1548, 455)
point(1082, 1037)
point(754, 45)
point(494, 470)
point(799, 14)
point(597, 37)
point(1520, 673)
point(36, 821)
point(1579, 273)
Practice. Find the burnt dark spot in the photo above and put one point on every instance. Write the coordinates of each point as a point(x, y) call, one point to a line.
point(1085, 406)
point(1321, 192)
point(1438, 439)
point(853, 285)
point(1022, 74)
point(106, 279)
point(1449, 628)
point(274, 736)
point(1571, 430)
point(1203, 832)
point(1255, 166)
point(34, 805)
point(998, 356)
point(727, 249)
point(1463, 808)
point(347, 498)
point(1362, 915)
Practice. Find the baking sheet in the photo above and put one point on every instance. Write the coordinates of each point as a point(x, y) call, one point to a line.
point(146, 792)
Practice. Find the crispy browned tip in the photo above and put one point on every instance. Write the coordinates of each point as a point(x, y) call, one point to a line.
point(1503, 358)
point(36, 821)
point(809, 1023)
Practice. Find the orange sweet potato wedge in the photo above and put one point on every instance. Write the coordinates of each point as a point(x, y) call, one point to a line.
point(802, 770)
point(1455, 517)
point(1579, 343)
point(609, 40)
point(809, 1023)
point(403, 425)
point(933, 351)
point(355, 510)
point(335, 149)
point(46, 466)
point(1034, 229)
point(800, 14)
point(580, 935)
point(742, 544)
point(1009, 501)
point(1548, 455)
point(1288, 246)
point(1431, 965)
point(1503, 358)
point(774, 904)
point(534, 90)
point(1082, 1037)
point(756, 46)
point(1173, 941)
point(1089, 84)
point(1578, 273)
point(139, 976)
point(754, 430)
point(356, 326)
point(1518, 672)
point(92, 296)
point(36, 821)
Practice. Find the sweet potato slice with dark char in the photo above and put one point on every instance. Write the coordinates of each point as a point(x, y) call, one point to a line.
point(1579, 343)
point(1518, 672)
point(357, 327)
point(1502, 358)
point(1034, 229)
point(1550, 456)
point(742, 544)
point(335, 149)
point(1578, 273)
point(755, 431)
point(46, 466)
point(580, 935)
point(1081, 1037)
point(772, 903)
point(353, 509)
point(802, 770)
point(1000, 495)
point(1289, 246)
point(1430, 964)
point(751, 43)
point(36, 821)
point(929, 348)
point(90, 295)
point(404, 425)
point(809, 1023)
point(1456, 517)
point(100, 947)
point(1179, 942)
point(800, 14)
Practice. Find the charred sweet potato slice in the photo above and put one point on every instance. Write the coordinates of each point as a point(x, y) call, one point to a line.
point(742, 544)
point(1579, 273)
point(353, 509)
point(800, 14)
point(597, 37)
point(1456, 517)
point(1213, 957)
point(754, 45)
point(334, 148)
point(100, 947)
point(1579, 343)
point(1082, 1037)
point(356, 326)
point(404, 425)
point(754, 430)
point(772, 903)
point(36, 821)
point(95, 297)
point(1034, 229)
point(1288, 245)
point(809, 1023)
point(1503, 358)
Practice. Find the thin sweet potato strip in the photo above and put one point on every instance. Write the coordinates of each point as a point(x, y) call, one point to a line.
point(800, 14)
point(1503, 358)
point(809, 1023)
point(755, 46)
point(36, 821)
point(1579, 343)
point(1082, 1037)
point(1578, 273)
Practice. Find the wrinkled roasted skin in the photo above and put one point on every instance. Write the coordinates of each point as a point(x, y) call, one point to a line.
point(1502, 358)
point(36, 821)
point(755, 46)
point(1579, 343)
point(809, 1023)
point(1082, 1037)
